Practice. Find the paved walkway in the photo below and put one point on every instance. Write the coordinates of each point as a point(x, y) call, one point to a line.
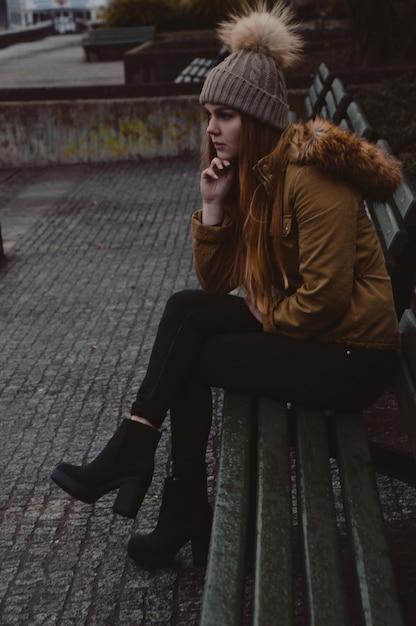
point(84, 286)
point(56, 61)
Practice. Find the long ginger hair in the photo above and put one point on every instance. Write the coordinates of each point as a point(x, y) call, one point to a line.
point(256, 265)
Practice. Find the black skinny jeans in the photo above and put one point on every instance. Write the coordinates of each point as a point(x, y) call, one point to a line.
point(206, 341)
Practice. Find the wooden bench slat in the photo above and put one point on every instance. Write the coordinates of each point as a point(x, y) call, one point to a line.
point(321, 548)
point(311, 99)
point(405, 200)
point(341, 98)
point(197, 70)
point(327, 97)
point(325, 74)
point(340, 93)
point(358, 121)
point(408, 329)
point(224, 582)
point(324, 113)
point(364, 516)
point(317, 94)
point(330, 105)
point(398, 241)
point(404, 384)
point(273, 585)
point(404, 196)
point(308, 108)
point(390, 230)
point(406, 398)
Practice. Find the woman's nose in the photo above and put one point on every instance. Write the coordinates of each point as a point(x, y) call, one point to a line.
point(212, 129)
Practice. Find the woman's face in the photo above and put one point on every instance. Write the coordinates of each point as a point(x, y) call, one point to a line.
point(224, 126)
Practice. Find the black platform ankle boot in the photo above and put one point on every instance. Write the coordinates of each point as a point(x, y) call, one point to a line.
point(185, 515)
point(126, 463)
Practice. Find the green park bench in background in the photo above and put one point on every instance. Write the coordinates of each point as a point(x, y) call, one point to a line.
point(109, 44)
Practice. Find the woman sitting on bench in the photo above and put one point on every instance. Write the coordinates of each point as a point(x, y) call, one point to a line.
point(314, 323)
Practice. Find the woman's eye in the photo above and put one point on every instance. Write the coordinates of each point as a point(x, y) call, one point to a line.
point(228, 115)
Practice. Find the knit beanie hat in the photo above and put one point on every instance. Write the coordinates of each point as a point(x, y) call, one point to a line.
point(250, 80)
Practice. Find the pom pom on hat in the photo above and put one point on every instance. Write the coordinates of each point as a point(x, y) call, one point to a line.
point(250, 79)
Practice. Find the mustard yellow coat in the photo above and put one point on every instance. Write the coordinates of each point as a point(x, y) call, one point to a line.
point(339, 290)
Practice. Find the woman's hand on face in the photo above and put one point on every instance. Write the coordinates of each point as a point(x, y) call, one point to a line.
point(216, 181)
point(254, 310)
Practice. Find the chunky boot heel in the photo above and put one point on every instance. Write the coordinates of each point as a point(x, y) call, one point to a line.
point(130, 496)
point(185, 515)
point(126, 463)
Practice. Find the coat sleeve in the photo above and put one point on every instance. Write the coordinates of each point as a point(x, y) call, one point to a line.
point(213, 249)
point(325, 212)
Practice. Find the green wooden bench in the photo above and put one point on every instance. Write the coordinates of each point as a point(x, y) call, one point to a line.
point(317, 532)
point(328, 97)
point(109, 44)
point(394, 220)
point(318, 91)
point(395, 223)
point(276, 514)
point(272, 442)
point(198, 69)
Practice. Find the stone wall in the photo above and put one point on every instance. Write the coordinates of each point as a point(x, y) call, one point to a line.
point(82, 131)
point(23, 35)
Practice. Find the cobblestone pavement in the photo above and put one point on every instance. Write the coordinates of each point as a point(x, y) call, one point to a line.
point(81, 294)
point(93, 251)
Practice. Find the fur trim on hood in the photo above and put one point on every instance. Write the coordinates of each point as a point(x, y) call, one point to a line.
point(360, 163)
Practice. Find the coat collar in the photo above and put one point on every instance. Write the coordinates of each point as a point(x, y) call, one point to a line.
point(340, 153)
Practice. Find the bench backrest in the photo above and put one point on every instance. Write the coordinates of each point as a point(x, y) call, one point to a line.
point(314, 101)
point(395, 219)
point(328, 98)
point(355, 120)
point(405, 382)
point(199, 68)
point(196, 71)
